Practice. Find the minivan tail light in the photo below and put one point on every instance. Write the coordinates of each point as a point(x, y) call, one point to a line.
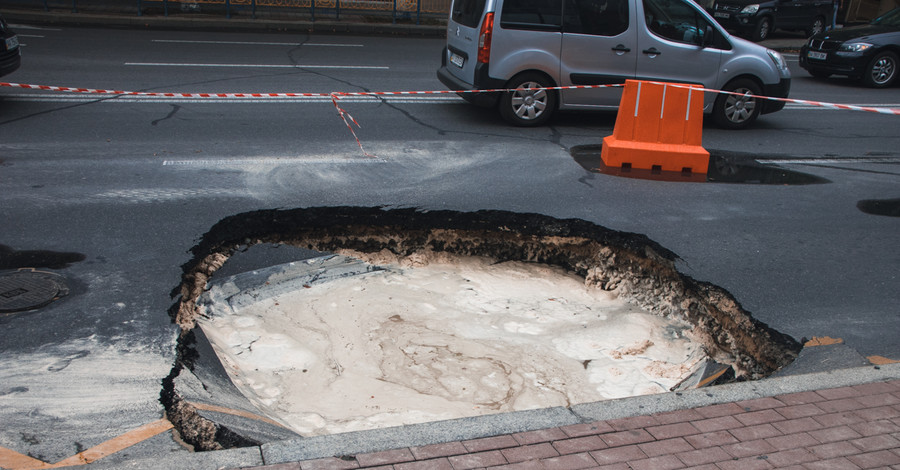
point(484, 38)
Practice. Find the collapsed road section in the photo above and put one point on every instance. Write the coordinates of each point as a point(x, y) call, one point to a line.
point(257, 363)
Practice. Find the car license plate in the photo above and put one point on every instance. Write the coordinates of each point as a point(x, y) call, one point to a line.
point(12, 43)
point(456, 60)
point(817, 55)
point(720, 14)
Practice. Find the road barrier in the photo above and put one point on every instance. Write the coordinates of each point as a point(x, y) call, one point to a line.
point(659, 128)
point(348, 119)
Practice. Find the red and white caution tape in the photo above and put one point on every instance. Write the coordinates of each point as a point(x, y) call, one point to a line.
point(820, 104)
point(348, 119)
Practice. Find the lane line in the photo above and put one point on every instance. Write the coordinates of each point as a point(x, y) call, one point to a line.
point(13, 460)
point(253, 43)
point(264, 66)
point(116, 444)
point(233, 412)
point(220, 162)
point(69, 98)
point(808, 161)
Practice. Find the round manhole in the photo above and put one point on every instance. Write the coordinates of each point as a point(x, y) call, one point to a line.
point(28, 290)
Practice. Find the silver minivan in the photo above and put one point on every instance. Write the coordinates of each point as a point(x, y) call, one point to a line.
point(531, 45)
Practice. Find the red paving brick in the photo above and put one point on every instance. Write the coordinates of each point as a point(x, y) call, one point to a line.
point(579, 444)
point(842, 428)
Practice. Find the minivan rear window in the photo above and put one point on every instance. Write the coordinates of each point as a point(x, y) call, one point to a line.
point(467, 12)
point(541, 15)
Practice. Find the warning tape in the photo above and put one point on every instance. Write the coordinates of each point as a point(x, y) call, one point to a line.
point(820, 104)
point(348, 119)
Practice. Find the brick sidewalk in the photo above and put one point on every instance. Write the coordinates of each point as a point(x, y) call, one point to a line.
point(840, 428)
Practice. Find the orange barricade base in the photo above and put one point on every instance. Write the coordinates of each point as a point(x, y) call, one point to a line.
point(658, 127)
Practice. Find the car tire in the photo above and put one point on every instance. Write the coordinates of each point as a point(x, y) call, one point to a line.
point(881, 71)
point(763, 29)
point(526, 107)
point(732, 111)
point(816, 27)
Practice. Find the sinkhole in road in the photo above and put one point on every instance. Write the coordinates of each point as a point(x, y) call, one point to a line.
point(398, 316)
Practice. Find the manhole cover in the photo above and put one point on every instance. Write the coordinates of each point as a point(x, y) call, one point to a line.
point(28, 289)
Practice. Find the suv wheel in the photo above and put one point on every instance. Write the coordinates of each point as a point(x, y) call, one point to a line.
point(737, 111)
point(528, 105)
point(816, 27)
point(882, 71)
point(763, 28)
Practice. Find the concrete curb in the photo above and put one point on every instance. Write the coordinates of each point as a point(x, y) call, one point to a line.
point(293, 450)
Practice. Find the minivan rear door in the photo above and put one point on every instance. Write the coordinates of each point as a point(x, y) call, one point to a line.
point(670, 44)
point(462, 38)
point(598, 48)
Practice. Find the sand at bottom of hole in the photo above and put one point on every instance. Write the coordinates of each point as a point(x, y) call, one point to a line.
point(455, 338)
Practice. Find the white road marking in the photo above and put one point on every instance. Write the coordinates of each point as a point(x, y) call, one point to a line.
point(101, 98)
point(813, 161)
point(268, 161)
point(253, 43)
point(276, 66)
point(17, 26)
point(809, 106)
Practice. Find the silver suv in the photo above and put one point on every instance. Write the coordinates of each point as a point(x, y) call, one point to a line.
point(530, 45)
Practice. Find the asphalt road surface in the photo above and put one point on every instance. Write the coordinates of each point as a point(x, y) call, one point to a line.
point(126, 185)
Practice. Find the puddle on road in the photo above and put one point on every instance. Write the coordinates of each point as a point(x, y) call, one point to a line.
point(464, 312)
point(724, 167)
point(15, 259)
point(886, 207)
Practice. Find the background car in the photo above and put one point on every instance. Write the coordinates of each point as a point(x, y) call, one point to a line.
point(755, 19)
point(867, 52)
point(10, 57)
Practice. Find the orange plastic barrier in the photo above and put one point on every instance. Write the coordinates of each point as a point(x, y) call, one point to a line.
point(658, 127)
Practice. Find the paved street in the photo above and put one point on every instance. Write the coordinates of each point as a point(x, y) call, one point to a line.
point(111, 194)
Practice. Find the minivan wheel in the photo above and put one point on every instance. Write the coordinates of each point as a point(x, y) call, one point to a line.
point(737, 111)
point(527, 104)
point(882, 70)
point(762, 30)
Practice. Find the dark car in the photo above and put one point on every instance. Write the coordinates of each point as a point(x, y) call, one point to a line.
point(9, 50)
point(756, 19)
point(867, 52)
